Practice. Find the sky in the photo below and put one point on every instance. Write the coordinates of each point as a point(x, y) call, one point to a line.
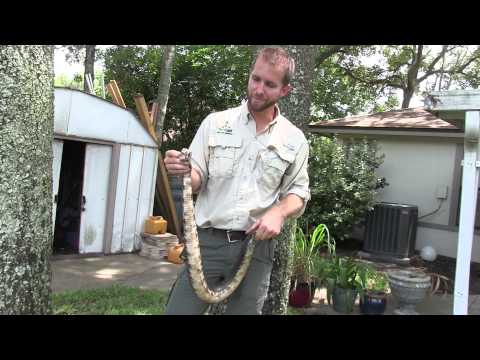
point(62, 67)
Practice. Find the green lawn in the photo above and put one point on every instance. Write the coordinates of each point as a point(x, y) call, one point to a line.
point(116, 300)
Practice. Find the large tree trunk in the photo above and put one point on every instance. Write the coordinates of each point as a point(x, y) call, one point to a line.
point(89, 65)
point(407, 97)
point(164, 88)
point(26, 133)
point(412, 76)
point(296, 108)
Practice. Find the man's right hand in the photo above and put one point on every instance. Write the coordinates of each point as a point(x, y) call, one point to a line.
point(175, 163)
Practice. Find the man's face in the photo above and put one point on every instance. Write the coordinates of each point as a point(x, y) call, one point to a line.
point(265, 86)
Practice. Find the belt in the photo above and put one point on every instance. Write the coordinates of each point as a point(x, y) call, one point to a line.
point(232, 236)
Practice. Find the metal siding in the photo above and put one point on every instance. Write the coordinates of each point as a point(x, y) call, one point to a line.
point(62, 104)
point(131, 205)
point(145, 196)
point(120, 198)
point(56, 166)
point(87, 116)
point(137, 133)
point(95, 118)
point(95, 190)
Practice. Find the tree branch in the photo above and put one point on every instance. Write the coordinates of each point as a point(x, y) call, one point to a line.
point(385, 81)
point(329, 51)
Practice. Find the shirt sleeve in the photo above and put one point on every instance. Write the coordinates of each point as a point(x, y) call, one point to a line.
point(296, 179)
point(200, 152)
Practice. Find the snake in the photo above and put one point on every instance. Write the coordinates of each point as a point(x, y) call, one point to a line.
point(192, 249)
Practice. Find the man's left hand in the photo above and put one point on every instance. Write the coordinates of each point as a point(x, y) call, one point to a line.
point(269, 225)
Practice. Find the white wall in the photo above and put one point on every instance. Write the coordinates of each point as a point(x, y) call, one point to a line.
point(415, 169)
point(445, 242)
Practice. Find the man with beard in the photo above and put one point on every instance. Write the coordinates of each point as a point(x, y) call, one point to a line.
point(249, 169)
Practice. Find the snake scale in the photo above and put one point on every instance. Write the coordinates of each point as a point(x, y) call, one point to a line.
point(194, 261)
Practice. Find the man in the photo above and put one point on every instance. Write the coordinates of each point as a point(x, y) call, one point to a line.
point(249, 168)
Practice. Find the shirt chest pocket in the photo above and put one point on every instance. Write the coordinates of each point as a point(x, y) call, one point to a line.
point(275, 164)
point(224, 151)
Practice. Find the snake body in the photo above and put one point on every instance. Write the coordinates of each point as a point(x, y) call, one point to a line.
point(194, 261)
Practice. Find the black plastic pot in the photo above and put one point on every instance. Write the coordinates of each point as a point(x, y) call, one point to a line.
point(343, 299)
point(373, 303)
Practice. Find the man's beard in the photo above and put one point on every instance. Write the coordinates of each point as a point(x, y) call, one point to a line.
point(259, 108)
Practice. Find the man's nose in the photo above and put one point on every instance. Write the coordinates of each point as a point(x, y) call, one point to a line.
point(259, 87)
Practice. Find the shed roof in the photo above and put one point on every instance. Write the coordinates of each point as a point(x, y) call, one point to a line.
point(412, 118)
point(79, 114)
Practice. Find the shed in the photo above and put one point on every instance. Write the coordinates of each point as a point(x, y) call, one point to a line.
point(104, 169)
point(422, 165)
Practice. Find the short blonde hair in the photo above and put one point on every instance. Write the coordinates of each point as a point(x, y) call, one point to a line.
point(278, 56)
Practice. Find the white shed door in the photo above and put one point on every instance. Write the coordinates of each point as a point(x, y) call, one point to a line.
point(95, 191)
point(57, 164)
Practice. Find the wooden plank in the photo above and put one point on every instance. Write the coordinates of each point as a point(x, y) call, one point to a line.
point(117, 92)
point(112, 94)
point(153, 114)
point(163, 187)
point(142, 111)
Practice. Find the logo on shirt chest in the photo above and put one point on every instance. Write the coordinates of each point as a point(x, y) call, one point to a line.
point(225, 129)
point(289, 147)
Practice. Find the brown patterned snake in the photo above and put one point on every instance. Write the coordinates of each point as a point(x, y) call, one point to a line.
point(194, 261)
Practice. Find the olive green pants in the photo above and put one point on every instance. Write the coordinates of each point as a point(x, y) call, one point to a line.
point(219, 261)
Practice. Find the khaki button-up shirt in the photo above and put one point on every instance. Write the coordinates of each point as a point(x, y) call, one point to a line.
point(244, 173)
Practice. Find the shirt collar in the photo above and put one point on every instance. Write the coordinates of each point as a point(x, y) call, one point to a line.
point(247, 116)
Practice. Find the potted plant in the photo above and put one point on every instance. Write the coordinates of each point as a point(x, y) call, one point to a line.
point(306, 254)
point(343, 277)
point(373, 298)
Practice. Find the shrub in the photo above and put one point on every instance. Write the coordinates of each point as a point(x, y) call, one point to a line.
point(343, 183)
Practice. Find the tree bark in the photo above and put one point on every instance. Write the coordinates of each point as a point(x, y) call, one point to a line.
point(26, 133)
point(89, 65)
point(412, 76)
point(296, 108)
point(407, 97)
point(164, 88)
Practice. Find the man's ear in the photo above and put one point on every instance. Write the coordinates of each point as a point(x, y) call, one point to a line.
point(286, 90)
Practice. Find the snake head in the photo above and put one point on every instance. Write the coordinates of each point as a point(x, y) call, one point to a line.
point(187, 155)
